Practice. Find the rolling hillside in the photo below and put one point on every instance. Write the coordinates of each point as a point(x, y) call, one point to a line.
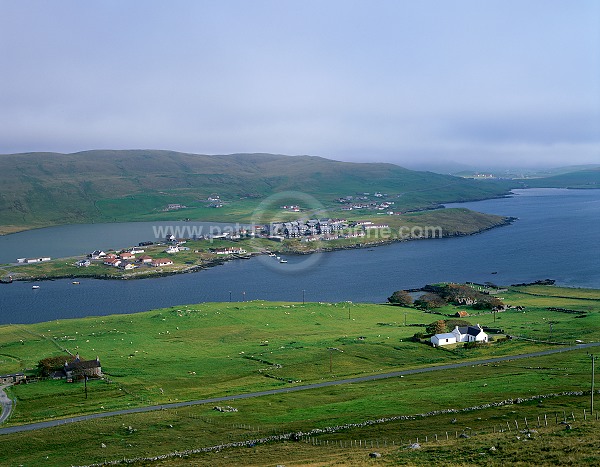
point(587, 178)
point(41, 189)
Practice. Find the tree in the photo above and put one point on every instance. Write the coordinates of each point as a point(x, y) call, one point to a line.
point(437, 327)
point(430, 300)
point(401, 297)
point(48, 365)
point(487, 303)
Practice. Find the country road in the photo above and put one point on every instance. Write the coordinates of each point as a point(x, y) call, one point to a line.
point(360, 379)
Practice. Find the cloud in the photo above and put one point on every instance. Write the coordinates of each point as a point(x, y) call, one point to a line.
point(354, 80)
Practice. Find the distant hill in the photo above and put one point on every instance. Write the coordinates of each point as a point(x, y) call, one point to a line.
point(588, 178)
point(40, 189)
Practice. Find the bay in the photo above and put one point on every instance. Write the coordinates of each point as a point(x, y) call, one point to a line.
point(556, 236)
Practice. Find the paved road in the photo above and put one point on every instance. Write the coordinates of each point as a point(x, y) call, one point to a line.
point(5, 403)
point(360, 379)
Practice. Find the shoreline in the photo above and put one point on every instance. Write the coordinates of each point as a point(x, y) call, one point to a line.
point(220, 261)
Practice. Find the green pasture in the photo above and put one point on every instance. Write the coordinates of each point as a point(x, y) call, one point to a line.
point(212, 349)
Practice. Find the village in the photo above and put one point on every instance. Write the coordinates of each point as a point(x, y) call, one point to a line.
point(309, 230)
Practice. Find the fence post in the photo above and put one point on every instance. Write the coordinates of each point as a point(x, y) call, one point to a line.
point(584, 415)
point(446, 436)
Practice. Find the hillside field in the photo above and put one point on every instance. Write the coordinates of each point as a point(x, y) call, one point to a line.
point(42, 189)
point(198, 351)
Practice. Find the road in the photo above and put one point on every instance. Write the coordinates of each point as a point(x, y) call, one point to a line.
point(359, 379)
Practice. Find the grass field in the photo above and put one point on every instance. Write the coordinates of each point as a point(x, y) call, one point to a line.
point(204, 350)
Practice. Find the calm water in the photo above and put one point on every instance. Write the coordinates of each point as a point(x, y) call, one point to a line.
point(79, 239)
point(557, 236)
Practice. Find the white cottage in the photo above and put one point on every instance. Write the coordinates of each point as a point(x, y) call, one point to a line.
point(470, 334)
point(460, 334)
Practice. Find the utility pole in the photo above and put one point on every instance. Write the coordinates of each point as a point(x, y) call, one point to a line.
point(230, 296)
point(592, 393)
point(85, 385)
point(303, 296)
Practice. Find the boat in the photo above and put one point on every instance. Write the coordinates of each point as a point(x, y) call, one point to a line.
point(272, 255)
point(283, 260)
point(35, 286)
point(75, 282)
point(279, 257)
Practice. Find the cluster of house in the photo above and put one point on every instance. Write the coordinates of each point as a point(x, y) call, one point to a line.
point(305, 228)
point(460, 334)
point(320, 229)
point(229, 251)
point(174, 207)
point(126, 260)
point(363, 201)
point(215, 201)
point(71, 371)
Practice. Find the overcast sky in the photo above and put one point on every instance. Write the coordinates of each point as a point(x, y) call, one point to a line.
point(484, 82)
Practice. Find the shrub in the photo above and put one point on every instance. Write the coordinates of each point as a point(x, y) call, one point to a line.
point(401, 297)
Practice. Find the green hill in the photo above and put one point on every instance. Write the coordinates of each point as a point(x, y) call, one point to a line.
point(587, 178)
point(41, 189)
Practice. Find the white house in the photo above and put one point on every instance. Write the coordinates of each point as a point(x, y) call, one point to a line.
point(97, 254)
point(460, 334)
point(172, 249)
point(443, 339)
point(470, 334)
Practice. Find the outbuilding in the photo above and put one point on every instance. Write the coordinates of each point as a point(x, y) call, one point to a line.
point(443, 339)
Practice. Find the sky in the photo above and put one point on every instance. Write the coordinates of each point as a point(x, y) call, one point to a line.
point(472, 82)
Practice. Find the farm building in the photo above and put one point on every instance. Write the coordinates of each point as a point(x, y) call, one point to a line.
point(13, 378)
point(81, 368)
point(443, 339)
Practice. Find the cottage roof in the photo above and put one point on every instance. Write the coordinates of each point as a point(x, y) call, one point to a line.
point(470, 330)
point(445, 335)
point(82, 364)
